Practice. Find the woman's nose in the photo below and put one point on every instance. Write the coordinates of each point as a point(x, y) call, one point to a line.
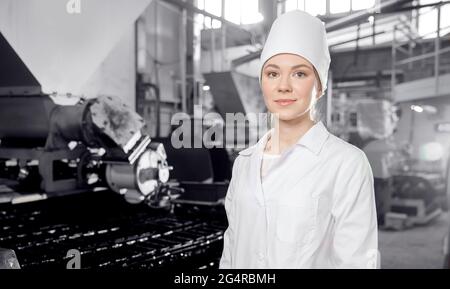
point(285, 84)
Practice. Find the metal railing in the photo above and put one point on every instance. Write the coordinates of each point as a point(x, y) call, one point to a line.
point(416, 54)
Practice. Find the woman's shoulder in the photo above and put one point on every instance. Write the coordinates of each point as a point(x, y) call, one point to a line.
point(344, 150)
point(247, 151)
point(242, 157)
point(347, 160)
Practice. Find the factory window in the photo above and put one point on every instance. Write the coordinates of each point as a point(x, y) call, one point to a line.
point(445, 20)
point(314, 7)
point(340, 6)
point(428, 19)
point(294, 5)
point(211, 6)
point(319, 7)
point(233, 10)
point(242, 12)
point(236, 11)
point(362, 4)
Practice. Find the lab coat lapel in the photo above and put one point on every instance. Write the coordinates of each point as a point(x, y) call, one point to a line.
point(298, 163)
point(303, 158)
point(255, 170)
point(293, 166)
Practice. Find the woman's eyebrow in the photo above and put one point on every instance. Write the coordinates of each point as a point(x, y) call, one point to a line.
point(272, 65)
point(292, 67)
point(300, 65)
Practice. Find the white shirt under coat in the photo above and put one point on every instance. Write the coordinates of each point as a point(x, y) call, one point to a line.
point(314, 209)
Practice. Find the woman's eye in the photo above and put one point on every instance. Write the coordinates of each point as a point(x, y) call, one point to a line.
point(272, 74)
point(300, 74)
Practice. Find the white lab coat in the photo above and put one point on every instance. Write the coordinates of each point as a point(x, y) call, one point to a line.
point(315, 208)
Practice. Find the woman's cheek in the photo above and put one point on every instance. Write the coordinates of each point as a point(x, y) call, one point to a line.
point(271, 107)
point(268, 100)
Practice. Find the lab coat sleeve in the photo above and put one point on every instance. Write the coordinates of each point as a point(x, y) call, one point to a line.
point(228, 237)
point(355, 242)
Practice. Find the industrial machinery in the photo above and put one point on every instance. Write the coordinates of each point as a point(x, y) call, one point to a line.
point(58, 176)
point(108, 233)
point(79, 176)
point(416, 200)
point(405, 195)
point(97, 143)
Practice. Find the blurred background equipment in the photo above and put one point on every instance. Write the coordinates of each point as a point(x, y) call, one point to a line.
point(96, 143)
point(64, 152)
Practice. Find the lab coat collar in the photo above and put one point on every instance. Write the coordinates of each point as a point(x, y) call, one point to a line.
point(313, 140)
point(249, 151)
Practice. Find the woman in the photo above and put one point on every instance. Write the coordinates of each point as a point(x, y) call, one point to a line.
point(301, 197)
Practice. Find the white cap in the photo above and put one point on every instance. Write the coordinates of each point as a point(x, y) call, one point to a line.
point(299, 33)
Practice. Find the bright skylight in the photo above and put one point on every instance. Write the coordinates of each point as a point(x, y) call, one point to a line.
point(319, 7)
point(236, 11)
point(428, 19)
point(314, 7)
point(339, 6)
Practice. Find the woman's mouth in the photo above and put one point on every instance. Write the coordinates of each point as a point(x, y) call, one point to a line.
point(285, 101)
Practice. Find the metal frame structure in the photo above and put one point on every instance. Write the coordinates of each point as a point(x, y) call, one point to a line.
point(415, 39)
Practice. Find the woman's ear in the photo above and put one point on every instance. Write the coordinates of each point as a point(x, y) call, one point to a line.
point(318, 90)
point(317, 85)
point(319, 94)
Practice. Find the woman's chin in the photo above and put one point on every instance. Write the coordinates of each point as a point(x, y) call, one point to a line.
point(287, 116)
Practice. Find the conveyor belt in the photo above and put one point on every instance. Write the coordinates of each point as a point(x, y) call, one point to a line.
point(108, 233)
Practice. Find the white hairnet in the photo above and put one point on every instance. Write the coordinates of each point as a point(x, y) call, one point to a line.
point(299, 33)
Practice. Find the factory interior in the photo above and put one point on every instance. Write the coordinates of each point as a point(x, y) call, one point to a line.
point(96, 96)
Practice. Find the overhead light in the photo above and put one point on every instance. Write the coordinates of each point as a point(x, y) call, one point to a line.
point(416, 108)
point(206, 88)
point(424, 108)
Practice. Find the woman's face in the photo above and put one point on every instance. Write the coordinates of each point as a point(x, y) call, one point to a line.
point(288, 84)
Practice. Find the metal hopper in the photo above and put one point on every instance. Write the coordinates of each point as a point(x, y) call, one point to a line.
point(61, 47)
